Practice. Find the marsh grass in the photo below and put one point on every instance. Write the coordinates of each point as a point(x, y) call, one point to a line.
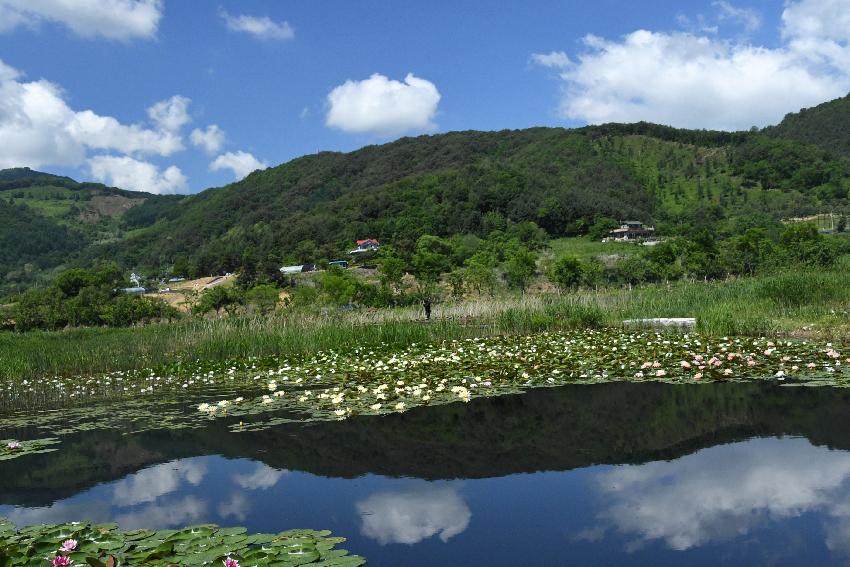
point(798, 303)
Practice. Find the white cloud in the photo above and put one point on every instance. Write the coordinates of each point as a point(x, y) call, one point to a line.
point(136, 175)
point(555, 59)
point(106, 133)
point(262, 478)
point(750, 19)
point(46, 131)
point(241, 163)
point(409, 516)
point(724, 492)
point(8, 73)
point(112, 19)
point(210, 139)
point(382, 106)
point(11, 19)
point(34, 119)
point(260, 27)
point(820, 31)
point(699, 24)
point(172, 114)
point(691, 80)
point(824, 19)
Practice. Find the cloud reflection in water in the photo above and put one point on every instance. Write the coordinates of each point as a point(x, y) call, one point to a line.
point(411, 515)
point(149, 484)
point(170, 514)
point(262, 478)
point(724, 492)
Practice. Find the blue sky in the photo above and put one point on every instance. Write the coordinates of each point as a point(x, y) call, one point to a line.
point(276, 80)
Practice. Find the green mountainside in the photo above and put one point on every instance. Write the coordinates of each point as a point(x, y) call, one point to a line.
point(826, 125)
point(314, 207)
point(46, 219)
point(562, 180)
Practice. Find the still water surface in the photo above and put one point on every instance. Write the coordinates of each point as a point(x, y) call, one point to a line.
point(643, 474)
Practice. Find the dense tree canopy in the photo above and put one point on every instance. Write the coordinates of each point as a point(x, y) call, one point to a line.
point(459, 188)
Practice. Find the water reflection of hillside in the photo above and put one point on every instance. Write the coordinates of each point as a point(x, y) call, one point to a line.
point(553, 429)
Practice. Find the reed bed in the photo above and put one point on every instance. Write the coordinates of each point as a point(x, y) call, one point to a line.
point(802, 303)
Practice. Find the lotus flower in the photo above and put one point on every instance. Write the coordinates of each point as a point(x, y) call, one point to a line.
point(60, 560)
point(69, 545)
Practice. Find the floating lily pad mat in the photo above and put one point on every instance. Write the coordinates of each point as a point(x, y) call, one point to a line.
point(102, 545)
point(253, 394)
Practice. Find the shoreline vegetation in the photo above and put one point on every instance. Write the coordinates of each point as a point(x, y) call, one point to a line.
point(805, 303)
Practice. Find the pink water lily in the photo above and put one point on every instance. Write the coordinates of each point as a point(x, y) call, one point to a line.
point(229, 562)
point(69, 545)
point(12, 445)
point(61, 560)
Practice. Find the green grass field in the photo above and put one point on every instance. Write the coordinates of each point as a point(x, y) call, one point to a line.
point(585, 248)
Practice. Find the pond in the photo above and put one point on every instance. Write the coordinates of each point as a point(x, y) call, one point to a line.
point(612, 473)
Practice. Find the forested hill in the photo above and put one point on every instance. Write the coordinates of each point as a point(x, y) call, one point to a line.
point(826, 125)
point(45, 220)
point(563, 180)
point(445, 184)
